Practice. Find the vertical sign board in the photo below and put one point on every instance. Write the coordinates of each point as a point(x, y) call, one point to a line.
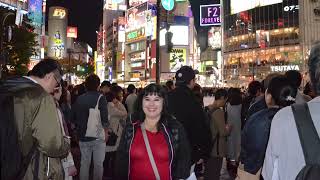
point(210, 15)
point(178, 57)
point(35, 12)
point(72, 32)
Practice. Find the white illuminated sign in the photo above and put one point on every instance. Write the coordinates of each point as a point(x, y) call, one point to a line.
point(239, 6)
point(284, 68)
point(180, 35)
point(291, 8)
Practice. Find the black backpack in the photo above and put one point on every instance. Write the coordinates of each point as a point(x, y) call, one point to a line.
point(13, 163)
point(310, 142)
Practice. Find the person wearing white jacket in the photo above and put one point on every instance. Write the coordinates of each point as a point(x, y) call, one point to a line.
point(117, 115)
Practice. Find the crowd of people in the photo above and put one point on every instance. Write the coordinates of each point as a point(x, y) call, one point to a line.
point(52, 130)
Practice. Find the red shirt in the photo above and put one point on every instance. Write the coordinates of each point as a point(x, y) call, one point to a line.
point(140, 166)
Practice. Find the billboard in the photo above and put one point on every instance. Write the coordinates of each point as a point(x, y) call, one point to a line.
point(136, 17)
point(214, 37)
point(210, 15)
point(35, 12)
point(72, 32)
point(180, 35)
point(178, 57)
point(14, 4)
point(238, 6)
point(133, 3)
point(115, 5)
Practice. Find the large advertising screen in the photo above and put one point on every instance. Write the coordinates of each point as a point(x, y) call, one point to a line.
point(136, 17)
point(214, 37)
point(239, 6)
point(210, 15)
point(180, 35)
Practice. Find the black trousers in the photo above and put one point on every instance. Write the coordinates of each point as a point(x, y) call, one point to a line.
point(212, 168)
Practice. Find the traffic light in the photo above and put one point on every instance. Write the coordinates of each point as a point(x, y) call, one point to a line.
point(169, 41)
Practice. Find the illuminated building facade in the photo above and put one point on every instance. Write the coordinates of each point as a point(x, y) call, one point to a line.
point(261, 37)
point(57, 32)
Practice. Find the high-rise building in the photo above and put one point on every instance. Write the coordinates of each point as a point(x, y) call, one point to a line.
point(261, 37)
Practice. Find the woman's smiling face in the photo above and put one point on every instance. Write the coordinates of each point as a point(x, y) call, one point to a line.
point(152, 106)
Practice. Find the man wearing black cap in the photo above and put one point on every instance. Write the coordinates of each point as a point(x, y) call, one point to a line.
point(184, 106)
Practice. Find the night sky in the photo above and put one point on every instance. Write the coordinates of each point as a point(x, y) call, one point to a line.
point(84, 14)
point(87, 16)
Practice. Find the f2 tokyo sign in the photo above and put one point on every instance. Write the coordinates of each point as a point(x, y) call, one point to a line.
point(210, 15)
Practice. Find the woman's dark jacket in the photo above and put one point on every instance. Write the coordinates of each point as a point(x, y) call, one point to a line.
point(254, 139)
point(179, 150)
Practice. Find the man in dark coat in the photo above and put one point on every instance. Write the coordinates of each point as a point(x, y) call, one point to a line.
point(184, 106)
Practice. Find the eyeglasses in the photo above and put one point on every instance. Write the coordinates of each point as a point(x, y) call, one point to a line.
point(58, 82)
point(57, 77)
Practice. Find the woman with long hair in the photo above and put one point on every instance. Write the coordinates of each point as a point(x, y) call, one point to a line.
point(67, 163)
point(168, 155)
point(255, 135)
point(117, 115)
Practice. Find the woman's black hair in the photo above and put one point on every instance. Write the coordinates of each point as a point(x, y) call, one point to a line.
point(282, 91)
point(152, 89)
point(115, 90)
point(234, 96)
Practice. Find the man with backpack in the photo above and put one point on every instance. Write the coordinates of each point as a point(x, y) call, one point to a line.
point(32, 143)
point(293, 150)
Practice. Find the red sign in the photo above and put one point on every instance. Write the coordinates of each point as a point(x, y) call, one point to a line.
point(72, 32)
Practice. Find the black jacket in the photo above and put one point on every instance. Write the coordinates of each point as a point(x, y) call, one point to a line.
point(178, 147)
point(185, 107)
point(257, 106)
point(254, 139)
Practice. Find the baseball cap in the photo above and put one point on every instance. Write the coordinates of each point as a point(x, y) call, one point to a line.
point(185, 74)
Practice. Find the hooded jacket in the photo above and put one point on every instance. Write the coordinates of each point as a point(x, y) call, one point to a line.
point(37, 122)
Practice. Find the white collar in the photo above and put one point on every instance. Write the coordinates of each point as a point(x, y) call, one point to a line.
point(31, 79)
point(316, 99)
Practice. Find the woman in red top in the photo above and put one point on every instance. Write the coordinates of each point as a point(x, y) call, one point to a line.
point(166, 136)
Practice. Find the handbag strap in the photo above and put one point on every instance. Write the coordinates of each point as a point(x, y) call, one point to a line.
point(97, 105)
point(309, 139)
point(146, 142)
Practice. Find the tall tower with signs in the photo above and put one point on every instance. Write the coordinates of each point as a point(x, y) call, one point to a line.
point(57, 31)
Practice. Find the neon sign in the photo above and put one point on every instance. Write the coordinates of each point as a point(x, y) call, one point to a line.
point(61, 13)
point(135, 35)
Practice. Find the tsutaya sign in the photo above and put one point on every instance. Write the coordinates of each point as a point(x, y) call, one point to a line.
point(284, 68)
